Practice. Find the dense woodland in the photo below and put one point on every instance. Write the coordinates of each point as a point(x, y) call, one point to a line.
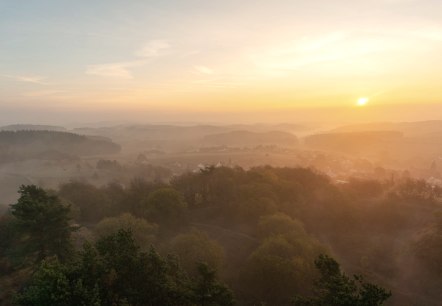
point(224, 236)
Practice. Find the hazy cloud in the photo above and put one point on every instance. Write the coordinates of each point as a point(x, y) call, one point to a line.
point(336, 48)
point(122, 70)
point(203, 69)
point(43, 93)
point(153, 48)
point(114, 70)
point(35, 79)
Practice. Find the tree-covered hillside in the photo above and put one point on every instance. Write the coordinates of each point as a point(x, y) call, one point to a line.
point(26, 144)
point(270, 233)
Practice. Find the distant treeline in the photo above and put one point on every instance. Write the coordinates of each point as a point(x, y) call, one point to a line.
point(32, 127)
point(19, 145)
point(353, 142)
point(248, 138)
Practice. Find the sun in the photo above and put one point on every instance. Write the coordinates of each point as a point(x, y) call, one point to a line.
point(362, 101)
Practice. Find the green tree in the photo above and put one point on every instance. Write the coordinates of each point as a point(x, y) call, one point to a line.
point(111, 272)
point(165, 206)
point(428, 248)
point(43, 223)
point(92, 203)
point(143, 232)
point(334, 288)
point(208, 291)
point(8, 236)
point(51, 284)
point(280, 224)
point(137, 278)
point(194, 247)
point(114, 271)
point(274, 271)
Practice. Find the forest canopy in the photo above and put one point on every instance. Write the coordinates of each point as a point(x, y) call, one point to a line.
point(259, 236)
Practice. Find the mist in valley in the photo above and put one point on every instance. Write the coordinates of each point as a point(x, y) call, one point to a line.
point(368, 195)
point(219, 153)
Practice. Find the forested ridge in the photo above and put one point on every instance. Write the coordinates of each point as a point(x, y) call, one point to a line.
point(26, 144)
point(224, 236)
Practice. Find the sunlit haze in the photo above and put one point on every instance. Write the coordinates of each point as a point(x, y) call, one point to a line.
point(362, 101)
point(83, 61)
point(221, 152)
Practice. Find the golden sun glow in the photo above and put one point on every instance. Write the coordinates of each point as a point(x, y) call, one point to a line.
point(362, 101)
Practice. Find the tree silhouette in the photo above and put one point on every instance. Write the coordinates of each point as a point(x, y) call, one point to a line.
point(42, 223)
point(334, 288)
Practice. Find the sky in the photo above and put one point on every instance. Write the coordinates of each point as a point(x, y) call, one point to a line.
point(199, 60)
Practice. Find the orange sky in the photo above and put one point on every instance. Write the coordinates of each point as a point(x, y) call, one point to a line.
point(229, 57)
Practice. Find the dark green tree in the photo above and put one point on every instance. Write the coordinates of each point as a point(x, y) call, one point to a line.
point(90, 203)
point(114, 271)
point(143, 232)
point(52, 284)
point(196, 246)
point(208, 291)
point(334, 288)
point(43, 224)
point(165, 206)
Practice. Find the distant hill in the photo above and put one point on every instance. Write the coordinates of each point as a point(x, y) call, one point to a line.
point(31, 127)
point(353, 142)
point(20, 145)
point(153, 131)
point(247, 138)
point(419, 128)
point(176, 137)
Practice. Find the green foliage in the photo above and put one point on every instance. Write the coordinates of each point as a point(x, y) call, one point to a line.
point(136, 194)
point(334, 288)
point(42, 223)
point(282, 263)
point(115, 272)
point(268, 221)
point(51, 285)
point(243, 197)
point(428, 248)
point(165, 206)
point(208, 291)
point(93, 204)
point(275, 270)
point(279, 224)
point(143, 232)
point(194, 247)
point(8, 235)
